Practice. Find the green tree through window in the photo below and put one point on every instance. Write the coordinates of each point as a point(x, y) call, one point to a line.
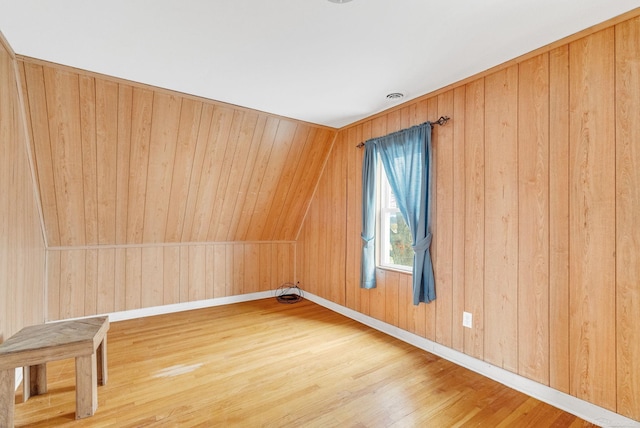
point(401, 251)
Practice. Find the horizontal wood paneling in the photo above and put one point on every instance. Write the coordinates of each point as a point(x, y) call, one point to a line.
point(535, 227)
point(22, 253)
point(84, 282)
point(120, 163)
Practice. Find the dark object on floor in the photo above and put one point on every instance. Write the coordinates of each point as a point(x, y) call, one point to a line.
point(289, 293)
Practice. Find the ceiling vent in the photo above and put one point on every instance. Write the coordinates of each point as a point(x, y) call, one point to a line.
point(394, 96)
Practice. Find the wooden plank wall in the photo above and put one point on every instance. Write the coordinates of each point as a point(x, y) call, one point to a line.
point(124, 169)
point(22, 253)
point(122, 163)
point(84, 282)
point(536, 226)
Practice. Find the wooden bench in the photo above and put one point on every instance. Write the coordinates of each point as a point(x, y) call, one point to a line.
point(34, 346)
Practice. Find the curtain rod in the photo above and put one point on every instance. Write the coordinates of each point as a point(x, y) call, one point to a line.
point(441, 121)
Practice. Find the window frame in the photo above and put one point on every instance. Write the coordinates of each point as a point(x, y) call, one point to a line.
point(383, 211)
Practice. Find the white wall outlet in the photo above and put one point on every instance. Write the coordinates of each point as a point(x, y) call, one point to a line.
point(467, 319)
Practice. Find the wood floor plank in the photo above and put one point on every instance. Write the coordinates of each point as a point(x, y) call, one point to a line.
point(262, 363)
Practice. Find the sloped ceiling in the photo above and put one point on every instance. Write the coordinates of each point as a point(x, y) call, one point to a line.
point(120, 163)
point(311, 60)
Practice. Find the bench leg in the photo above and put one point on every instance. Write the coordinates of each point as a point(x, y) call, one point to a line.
point(34, 381)
point(7, 397)
point(102, 361)
point(86, 386)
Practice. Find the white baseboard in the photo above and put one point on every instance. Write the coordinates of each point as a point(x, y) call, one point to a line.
point(179, 307)
point(583, 409)
point(167, 309)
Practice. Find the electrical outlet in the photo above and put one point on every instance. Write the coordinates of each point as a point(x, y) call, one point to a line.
point(467, 319)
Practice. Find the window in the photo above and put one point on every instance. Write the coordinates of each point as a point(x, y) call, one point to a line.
point(394, 237)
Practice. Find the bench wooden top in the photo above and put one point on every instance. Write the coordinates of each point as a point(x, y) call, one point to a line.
point(38, 344)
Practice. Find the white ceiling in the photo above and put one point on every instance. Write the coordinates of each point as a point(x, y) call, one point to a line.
point(312, 60)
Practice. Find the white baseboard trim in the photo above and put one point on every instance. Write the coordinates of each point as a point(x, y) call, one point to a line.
point(187, 306)
point(583, 409)
point(167, 309)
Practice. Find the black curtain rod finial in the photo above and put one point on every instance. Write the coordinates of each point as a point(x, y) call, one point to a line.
point(442, 120)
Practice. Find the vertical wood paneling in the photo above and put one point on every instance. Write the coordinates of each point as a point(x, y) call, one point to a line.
point(627, 218)
point(220, 270)
point(219, 130)
point(277, 160)
point(91, 282)
point(353, 215)
point(87, 94)
point(106, 159)
point(34, 82)
point(231, 195)
point(152, 277)
point(458, 217)
point(265, 268)
point(209, 273)
point(63, 107)
point(22, 255)
point(171, 278)
point(196, 266)
point(247, 164)
point(285, 182)
point(195, 174)
point(251, 255)
point(474, 217)
point(592, 219)
point(141, 113)
point(53, 285)
point(133, 278)
point(122, 163)
point(184, 162)
point(238, 286)
point(231, 143)
point(312, 158)
point(544, 203)
point(72, 283)
point(165, 121)
point(120, 280)
point(501, 219)
point(106, 280)
point(123, 159)
point(533, 221)
point(559, 219)
point(443, 188)
point(430, 310)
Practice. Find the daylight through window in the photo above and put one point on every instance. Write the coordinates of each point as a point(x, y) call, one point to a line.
point(394, 237)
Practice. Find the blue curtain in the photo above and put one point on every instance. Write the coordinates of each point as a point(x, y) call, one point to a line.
point(406, 157)
point(368, 263)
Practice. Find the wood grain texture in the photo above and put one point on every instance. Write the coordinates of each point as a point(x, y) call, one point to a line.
point(501, 219)
point(627, 221)
point(22, 254)
point(533, 219)
point(592, 219)
point(559, 287)
point(345, 374)
point(543, 214)
point(121, 163)
point(86, 282)
point(474, 217)
point(443, 187)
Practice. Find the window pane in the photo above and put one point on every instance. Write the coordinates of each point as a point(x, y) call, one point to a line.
point(400, 251)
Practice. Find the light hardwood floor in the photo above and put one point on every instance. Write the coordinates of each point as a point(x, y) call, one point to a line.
point(263, 363)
